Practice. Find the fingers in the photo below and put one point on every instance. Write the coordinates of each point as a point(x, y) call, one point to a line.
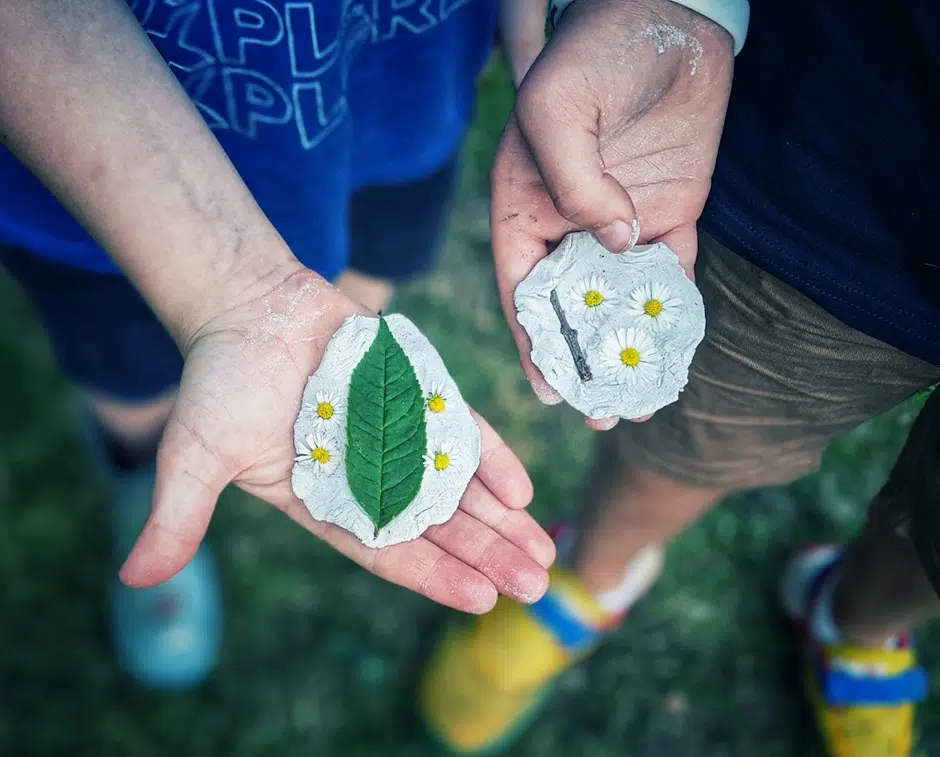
point(189, 481)
point(501, 470)
point(524, 220)
point(418, 565)
point(515, 526)
point(486, 549)
point(602, 424)
point(463, 564)
point(544, 391)
point(427, 569)
point(561, 129)
point(510, 569)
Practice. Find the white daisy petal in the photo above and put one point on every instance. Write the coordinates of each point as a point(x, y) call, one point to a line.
point(630, 356)
point(318, 452)
point(654, 303)
point(441, 456)
point(437, 400)
point(327, 409)
point(592, 296)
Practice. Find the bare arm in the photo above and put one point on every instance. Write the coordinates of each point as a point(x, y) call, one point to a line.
point(91, 108)
point(522, 28)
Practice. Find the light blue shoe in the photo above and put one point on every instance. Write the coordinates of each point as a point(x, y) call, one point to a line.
point(167, 637)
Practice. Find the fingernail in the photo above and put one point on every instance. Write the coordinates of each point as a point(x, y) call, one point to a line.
point(619, 236)
point(546, 394)
point(603, 424)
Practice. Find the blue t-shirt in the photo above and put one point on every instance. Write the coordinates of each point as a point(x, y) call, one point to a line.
point(311, 99)
point(828, 174)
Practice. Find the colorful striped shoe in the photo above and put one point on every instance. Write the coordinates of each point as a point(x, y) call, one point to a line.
point(487, 680)
point(863, 697)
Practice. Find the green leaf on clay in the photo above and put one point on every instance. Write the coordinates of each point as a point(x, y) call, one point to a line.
point(385, 430)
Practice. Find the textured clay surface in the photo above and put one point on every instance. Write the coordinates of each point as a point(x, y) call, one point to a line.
point(613, 334)
point(450, 430)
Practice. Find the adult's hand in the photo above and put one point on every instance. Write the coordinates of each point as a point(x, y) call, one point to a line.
point(244, 375)
point(615, 131)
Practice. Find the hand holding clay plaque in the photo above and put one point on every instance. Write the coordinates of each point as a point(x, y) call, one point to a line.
point(613, 334)
point(385, 443)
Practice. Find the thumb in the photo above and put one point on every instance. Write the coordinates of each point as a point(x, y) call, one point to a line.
point(189, 481)
point(563, 140)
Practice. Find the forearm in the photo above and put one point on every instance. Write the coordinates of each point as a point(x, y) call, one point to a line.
point(90, 107)
point(522, 32)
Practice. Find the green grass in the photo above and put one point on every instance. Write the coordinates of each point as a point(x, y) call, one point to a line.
point(320, 658)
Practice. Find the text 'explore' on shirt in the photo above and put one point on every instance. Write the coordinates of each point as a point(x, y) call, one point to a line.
point(311, 100)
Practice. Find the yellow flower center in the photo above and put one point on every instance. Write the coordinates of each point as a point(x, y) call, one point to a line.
point(441, 461)
point(320, 454)
point(593, 298)
point(653, 308)
point(436, 403)
point(325, 410)
point(630, 357)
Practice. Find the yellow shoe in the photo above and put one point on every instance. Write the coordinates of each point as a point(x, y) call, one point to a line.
point(489, 678)
point(863, 698)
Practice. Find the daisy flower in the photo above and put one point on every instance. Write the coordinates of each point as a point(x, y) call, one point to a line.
point(442, 455)
point(630, 355)
point(655, 304)
point(326, 409)
point(318, 452)
point(592, 295)
point(437, 399)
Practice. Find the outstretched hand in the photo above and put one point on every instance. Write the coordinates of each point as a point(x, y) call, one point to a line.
point(615, 131)
point(244, 375)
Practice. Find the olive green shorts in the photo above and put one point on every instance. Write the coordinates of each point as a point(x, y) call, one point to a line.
point(776, 379)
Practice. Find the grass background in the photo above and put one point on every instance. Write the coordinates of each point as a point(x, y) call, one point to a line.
point(320, 658)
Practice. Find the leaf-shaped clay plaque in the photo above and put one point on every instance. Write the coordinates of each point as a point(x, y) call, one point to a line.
point(385, 431)
point(385, 443)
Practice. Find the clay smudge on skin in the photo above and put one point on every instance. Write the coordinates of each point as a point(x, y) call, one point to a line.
point(286, 320)
point(666, 37)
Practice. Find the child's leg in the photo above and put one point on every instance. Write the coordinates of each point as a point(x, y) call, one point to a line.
point(853, 608)
point(396, 234)
point(883, 589)
point(125, 369)
point(632, 510)
point(373, 292)
point(135, 427)
point(776, 380)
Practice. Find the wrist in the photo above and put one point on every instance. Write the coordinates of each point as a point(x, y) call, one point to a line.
point(731, 15)
point(230, 287)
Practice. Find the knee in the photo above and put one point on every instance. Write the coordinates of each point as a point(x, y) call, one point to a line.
point(651, 500)
point(132, 421)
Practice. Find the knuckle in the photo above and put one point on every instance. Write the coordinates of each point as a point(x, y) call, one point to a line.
point(570, 200)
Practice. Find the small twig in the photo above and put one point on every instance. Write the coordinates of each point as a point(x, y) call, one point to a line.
point(571, 337)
